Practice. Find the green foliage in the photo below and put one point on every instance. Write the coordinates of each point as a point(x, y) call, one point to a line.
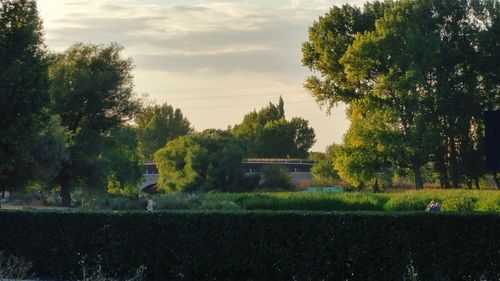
point(450, 200)
point(124, 161)
point(159, 124)
point(323, 171)
point(200, 162)
point(45, 157)
point(311, 201)
point(460, 203)
point(92, 92)
point(256, 245)
point(12, 267)
point(276, 176)
point(268, 134)
point(23, 84)
point(426, 79)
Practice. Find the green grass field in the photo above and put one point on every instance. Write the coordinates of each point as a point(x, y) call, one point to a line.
point(450, 200)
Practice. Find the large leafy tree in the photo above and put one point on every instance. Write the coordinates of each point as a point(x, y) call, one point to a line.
point(159, 124)
point(417, 61)
point(92, 92)
point(205, 161)
point(45, 156)
point(124, 161)
point(370, 149)
point(390, 64)
point(268, 134)
point(23, 83)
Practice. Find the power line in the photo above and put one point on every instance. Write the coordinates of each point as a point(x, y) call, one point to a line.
point(240, 105)
point(236, 95)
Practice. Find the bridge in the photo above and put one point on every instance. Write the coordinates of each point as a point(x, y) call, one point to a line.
point(300, 169)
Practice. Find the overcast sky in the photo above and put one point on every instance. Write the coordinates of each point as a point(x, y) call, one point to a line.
point(215, 60)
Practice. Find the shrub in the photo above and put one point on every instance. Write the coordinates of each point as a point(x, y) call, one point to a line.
point(275, 176)
point(257, 245)
point(13, 267)
point(249, 182)
point(459, 203)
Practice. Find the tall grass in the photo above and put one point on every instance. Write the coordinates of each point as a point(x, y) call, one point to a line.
point(450, 201)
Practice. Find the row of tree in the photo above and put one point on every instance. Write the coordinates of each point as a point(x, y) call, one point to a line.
point(417, 76)
point(211, 160)
point(63, 115)
point(73, 119)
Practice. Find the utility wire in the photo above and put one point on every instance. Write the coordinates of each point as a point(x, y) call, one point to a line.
point(240, 105)
point(235, 96)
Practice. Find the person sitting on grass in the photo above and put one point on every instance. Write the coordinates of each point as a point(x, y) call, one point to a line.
point(433, 207)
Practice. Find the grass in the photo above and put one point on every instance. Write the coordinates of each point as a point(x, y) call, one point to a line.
point(456, 200)
point(450, 200)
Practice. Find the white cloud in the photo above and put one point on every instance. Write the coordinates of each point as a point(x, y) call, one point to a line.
point(203, 47)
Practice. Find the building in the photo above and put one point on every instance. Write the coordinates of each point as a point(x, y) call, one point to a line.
point(300, 169)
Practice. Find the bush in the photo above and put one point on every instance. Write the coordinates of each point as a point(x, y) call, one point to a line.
point(13, 267)
point(275, 176)
point(460, 203)
point(257, 245)
point(249, 182)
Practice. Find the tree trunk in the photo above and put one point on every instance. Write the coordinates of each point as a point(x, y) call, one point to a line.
point(476, 182)
point(469, 184)
point(497, 180)
point(3, 192)
point(418, 175)
point(376, 189)
point(65, 194)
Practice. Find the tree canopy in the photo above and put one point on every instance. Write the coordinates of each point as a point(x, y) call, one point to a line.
point(205, 161)
point(92, 92)
point(416, 65)
point(159, 124)
point(23, 83)
point(268, 134)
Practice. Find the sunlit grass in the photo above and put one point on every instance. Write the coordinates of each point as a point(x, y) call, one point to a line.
point(450, 200)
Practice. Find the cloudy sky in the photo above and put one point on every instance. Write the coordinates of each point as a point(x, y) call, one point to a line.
point(216, 60)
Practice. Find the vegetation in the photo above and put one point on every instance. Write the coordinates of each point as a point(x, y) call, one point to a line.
point(23, 86)
point(256, 245)
point(159, 124)
point(200, 162)
point(324, 173)
point(450, 200)
point(268, 134)
point(92, 93)
point(274, 177)
point(13, 267)
point(417, 76)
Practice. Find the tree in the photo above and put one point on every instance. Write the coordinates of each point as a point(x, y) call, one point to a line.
point(416, 61)
point(205, 161)
point(323, 170)
point(268, 134)
point(23, 83)
point(44, 158)
point(391, 63)
point(92, 92)
point(159, 124)
point(275, 176)
point(125, 164)
point(369, 151)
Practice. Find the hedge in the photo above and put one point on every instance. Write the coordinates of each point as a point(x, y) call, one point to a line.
point(257, 245)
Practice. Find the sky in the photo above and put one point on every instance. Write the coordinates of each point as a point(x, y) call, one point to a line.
point(215, 60)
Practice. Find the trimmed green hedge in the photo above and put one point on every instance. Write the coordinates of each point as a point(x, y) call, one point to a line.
point(257, 245)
